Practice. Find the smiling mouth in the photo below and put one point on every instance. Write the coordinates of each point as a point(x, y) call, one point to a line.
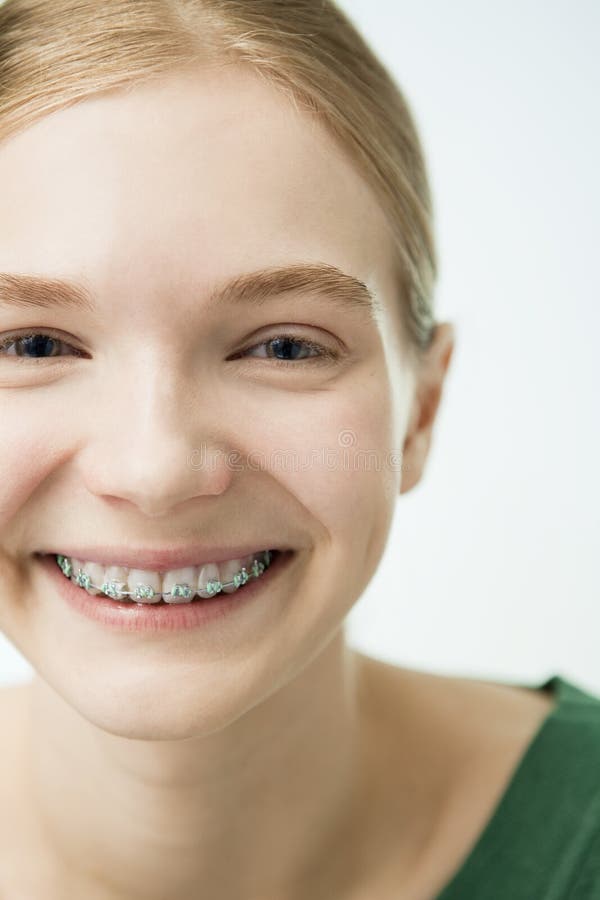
point(191, 584)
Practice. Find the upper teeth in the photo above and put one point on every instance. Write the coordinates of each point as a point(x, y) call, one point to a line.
point(174, 586)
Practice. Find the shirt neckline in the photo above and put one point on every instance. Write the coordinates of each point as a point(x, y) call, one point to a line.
point(455, 888)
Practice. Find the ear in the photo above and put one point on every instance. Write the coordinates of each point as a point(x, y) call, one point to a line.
point(428, 392)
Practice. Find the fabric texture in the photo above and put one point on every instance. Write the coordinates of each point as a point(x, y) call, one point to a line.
point(542, 841)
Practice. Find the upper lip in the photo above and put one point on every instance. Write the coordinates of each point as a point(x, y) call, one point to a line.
point(160, 560)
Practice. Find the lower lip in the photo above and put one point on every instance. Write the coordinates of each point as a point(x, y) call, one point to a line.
point(131, 616)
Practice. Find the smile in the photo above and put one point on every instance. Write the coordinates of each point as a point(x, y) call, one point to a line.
point(174, 586)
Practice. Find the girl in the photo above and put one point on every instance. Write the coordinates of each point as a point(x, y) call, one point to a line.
point(219, 368)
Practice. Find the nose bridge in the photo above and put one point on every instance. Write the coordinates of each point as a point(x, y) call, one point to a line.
point(151, 423)
point(159, 396)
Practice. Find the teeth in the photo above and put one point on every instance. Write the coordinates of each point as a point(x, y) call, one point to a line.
point(176, 586)
point(209, 582)
point(80, 576)
point(96, 574)
point(115, 581)
point(234, 571)
point(179, 585)
point(145, 587)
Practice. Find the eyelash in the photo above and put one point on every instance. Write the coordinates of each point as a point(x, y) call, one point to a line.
point(323, 354)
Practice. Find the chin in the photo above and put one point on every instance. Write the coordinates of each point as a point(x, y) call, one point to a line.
point(137, 706)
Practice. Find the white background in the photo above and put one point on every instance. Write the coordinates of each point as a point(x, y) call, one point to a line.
point(492, 565)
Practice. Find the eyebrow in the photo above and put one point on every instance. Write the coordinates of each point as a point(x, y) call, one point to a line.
point(250, 288)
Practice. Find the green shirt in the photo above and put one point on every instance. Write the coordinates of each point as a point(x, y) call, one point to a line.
point(542, 841)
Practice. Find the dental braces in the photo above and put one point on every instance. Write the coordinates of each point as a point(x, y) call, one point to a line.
point(115, 590)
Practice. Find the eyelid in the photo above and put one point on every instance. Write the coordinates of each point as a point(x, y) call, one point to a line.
point(297, 331)
point(54, 333)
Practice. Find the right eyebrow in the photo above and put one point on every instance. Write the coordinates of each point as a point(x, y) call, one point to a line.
point(35, 291)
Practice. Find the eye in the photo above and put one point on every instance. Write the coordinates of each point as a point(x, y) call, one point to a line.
point(282, 349)
point(291, 347)
point(40, 344)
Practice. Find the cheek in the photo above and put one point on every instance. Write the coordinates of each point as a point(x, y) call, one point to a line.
point(331, 450)
point(32, 445)
point(28, 454)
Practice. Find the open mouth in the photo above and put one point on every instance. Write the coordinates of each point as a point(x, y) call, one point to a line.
point(187, 585)
point(150, 614)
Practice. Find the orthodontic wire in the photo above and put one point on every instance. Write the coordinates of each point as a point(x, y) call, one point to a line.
point(111, 589)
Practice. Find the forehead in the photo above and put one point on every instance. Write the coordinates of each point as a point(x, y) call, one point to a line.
point(206, 172)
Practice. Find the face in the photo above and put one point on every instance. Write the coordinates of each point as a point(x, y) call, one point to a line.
point(151, 199)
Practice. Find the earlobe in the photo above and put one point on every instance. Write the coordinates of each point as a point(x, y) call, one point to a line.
point(416, 449)
point(426, 403)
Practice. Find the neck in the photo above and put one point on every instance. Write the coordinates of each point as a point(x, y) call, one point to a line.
point(248, 811)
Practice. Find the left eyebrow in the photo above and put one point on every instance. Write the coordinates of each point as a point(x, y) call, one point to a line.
point(249, 288)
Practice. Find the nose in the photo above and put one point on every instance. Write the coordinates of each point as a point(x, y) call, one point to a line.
point(162, 445)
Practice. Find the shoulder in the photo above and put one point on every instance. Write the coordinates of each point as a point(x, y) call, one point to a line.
point(566, 764)
point(567, 750)
point(483, 724)
point(452, 743)
point(548, 826)
point(516, 769)
point(577, 703)
point(465, 713)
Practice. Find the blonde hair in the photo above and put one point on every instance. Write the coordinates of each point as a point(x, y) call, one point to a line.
point(54, 54)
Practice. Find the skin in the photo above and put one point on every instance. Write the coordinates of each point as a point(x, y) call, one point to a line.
point(155, 764)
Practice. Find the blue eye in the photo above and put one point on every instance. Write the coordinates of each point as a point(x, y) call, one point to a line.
point(40, 345)
point(284, 349)
point(291, 347)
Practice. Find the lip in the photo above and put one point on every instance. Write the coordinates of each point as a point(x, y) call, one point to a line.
point(131, 616)
point(160, 560)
